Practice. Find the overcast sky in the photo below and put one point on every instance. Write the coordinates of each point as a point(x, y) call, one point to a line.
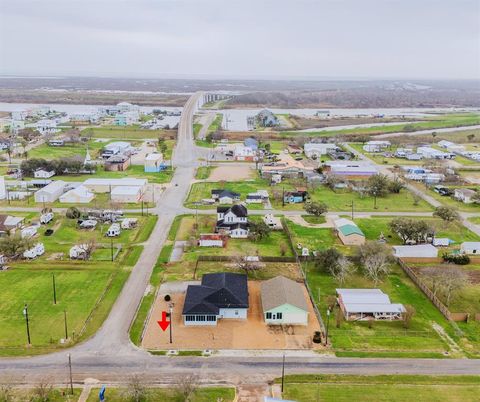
point(244, 38)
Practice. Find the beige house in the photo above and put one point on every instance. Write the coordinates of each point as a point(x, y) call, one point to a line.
point(348, 232)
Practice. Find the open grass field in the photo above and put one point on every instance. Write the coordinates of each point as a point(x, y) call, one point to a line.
point(83, 288)
point(203, 172)
point(167, 395)
point(341, 200)
point(394, 388)
point(128, 133)
point(48, 152)
point(440, 121)
point(133, 171)
point(387, 339)
point(449, 201)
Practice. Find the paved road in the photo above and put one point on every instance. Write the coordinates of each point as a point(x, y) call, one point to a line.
point(109, 356)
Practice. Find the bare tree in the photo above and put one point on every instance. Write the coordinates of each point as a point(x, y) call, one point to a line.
point(42, 392)
point(245, 264)
point(408, 315)
point(342, 270)
point(88, 247)
point(136, 390)
point(432, 276)
point(6, 394)
point(453, 280)
point(186, 386)
point(376, 259)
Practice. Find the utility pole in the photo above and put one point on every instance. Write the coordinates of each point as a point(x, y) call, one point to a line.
point(283, 196)
point(283, 372)
point(111, 247)
point(54, 290)
point(65, 322)
point(352, 210)
point(328, 322)
point(171, 321)
point(25, 313)
point(70, 371)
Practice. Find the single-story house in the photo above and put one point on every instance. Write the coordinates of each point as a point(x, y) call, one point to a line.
point(376, 146)
point(464, 195)
point(257, 198)
point(283, 302)
point(106, 185)
point(273, 222)
point(78, 195)
point(367, 304)
point(117, 163)
point(470, 247)
point(154, 163)
point(124, 194)
point(295, 197)
point(225, 196)
point(116, 148)
point(348, 232)
point(9, 224)
point(50, 192)
point(315, 150)
point(415, 251)
point(219, 296)
point(43, 174)
point(212, 240)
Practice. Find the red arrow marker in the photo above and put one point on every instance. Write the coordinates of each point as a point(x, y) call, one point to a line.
point(164, 323)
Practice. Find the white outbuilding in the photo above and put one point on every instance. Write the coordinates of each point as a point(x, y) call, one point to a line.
point(470, 247)
point(50, 192)
point(78, 195)
point(415, 251)
point(124, 194)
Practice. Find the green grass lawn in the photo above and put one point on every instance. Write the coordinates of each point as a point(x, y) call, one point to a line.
point(79, 285)
point(203, 172)
point(54, 395)
point(168, 395)
point(341, 200)
point(394, 388)
point(388, 339)
point(133, 171)
point(46, 151)
point(199, 191)
point(440, 121)
point(127, 133)
point(449, 201)
point(313, 238)
point(315, 220)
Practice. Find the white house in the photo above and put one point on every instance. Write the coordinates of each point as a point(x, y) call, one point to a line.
point(43, 174)
point(470, 247)
point(464, 195)
point(233, 221)
point(78, 195)
point(315, 150)
point(219, 296)
point(50, 192)
point(283, 302)
point(243, 153)
point(376, 146)
point(125, 194)
point(153, 162)
point(212, 240)
point(367, 304)
point(106, 185)
point(415, 251)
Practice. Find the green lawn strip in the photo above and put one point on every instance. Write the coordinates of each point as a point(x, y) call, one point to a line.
point(132, 256)
point(128, 133)
point(381, 388)
point(449, 201)
point(54, 395)
point(146, 229)
point(205, 143)
point(203, 172)
point(200, 191)
point(393, 355)
point(216, 124)
point(316, 220)
point(443, 121)
point(201, 394)
point(383, 336)
point(196, 129)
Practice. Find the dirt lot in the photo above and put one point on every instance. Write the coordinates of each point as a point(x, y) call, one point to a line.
point(232, 172)
point(228, 334)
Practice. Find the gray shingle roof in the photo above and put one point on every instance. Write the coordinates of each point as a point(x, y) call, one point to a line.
point(280, 290)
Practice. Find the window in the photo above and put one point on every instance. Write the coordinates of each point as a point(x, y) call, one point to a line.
point(189, 318)
point(211, 318)
point(279, 316)
point(236, 312)
point(200, 318)
point(269, 316)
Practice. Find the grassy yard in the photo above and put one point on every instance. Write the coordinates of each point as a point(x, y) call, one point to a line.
point(314, 238)
point(83, 288)
point(449, 201)
point(383, 339)
point(199, 191)
point(54, 395)
point(392, 388)
point(133, 171)
point(168, 395)
point(341, 200)
point(440, 121)
point(46, 151)
point(203, 172)
point(127, 133)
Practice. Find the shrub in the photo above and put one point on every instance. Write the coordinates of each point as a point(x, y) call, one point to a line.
point(458, 259)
